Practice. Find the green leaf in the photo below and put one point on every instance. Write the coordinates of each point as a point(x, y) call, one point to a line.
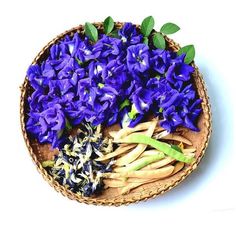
point(68, 125)
point(100, 85)
point(169, 28)
point(114, 33)
point(108, 25)
point(159, 41)
point(145, 40)
point(133, 113)
point(60, 133)
point(189, 50)
point(91, 31)
point(125, 103)
point(79, 61)
point(176, 147)
point(147, 26)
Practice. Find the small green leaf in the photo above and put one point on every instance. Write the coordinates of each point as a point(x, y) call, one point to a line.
point(68, 125)
point(60, 133)
point(169, 28)
point(147, 26)
point(177, 148)
point(125, 103)
point(100, 85)
point(108, 25)
point(133, 113)
point(114, 33)
point(91, 31)
point(145, 40)
point(159, 41)
point(48, 163)
point(79, 61)
point(189, 50)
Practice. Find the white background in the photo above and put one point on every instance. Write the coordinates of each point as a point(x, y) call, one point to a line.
point(204, 203)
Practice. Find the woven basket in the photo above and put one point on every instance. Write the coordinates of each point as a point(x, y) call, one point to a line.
point(41, 152)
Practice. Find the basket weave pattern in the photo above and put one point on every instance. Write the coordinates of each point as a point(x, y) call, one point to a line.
point(142, 193)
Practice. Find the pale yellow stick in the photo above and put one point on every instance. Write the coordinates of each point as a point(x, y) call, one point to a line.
point(189, 150)
point(133, 155)
point(117, 152)
point(120, 140)
point(176, 138)
point(158, 164)
point(114, 183)
point(139, 163)
point(126, 131)
point(178, 166)
point(120, 182)
point(113, 133)
point(139, 180)
point(150, 174)
point(158, 129)
point(131, 186)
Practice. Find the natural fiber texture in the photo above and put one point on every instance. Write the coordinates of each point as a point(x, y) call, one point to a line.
point(110, 197)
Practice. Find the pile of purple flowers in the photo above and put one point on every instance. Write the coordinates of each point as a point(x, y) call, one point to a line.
point(113, 80)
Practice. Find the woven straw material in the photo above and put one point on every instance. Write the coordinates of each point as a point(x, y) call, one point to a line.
point(110, 196)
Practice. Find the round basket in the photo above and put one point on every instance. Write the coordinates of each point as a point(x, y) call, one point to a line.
point(41, 152)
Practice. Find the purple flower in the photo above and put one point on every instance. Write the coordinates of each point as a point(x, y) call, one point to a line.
point(169, 98)
point(142, 99)
point(75, 111)
point(87, 52)
point(179, 72)
point(171, 119)
point(114, 74)
point(190, 114)
point(109, 46)
point(95, 70)
point(129, 34)
point(37, 80)
point(160, 60)
point(138, 58)
point(47, 124)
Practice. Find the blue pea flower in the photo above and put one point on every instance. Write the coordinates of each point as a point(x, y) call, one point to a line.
point(87, 52)
point(75, 111)
point(171, 119)
point(47, 124)
point(190, 113)
point(138, 58)
point(169, 98)
point(109, 46)
point(142, 99)
point(37, 80)
point(95, 70)
point(179, 72)
point(160, 60)
point(114, 74)
point(129, 34)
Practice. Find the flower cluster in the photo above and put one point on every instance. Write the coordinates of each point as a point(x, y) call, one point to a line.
point(113, 80)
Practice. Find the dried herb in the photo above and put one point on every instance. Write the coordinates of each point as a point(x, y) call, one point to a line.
point(75, 166)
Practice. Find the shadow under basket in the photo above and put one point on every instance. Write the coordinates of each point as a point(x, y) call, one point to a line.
point(40, 152)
